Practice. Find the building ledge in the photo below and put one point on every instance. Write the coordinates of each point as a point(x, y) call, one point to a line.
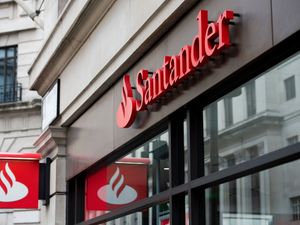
point(51, 138)
point(16, 25)
point(74, 26)
point(20, 106)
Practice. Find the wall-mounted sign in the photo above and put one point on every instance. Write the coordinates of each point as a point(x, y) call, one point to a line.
point(116, 185)
point(211, 39)
point(19, 180)
point(50, 107)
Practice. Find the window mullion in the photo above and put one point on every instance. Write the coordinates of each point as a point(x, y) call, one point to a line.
point(196, 164)
point(177, 167)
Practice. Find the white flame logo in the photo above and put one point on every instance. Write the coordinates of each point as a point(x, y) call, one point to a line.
point(10, 189)
point(116, 191)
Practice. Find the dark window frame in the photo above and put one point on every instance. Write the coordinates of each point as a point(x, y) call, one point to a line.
point(10, 92)
point(197, 182)
point(290, 88)
point(295, 205)
point(292, 139)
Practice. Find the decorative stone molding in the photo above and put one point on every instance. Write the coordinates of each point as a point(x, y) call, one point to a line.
point(67, 37)
point(52, 138)
point(20, 106)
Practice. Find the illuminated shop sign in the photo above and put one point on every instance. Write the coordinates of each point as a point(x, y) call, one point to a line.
point(212, 38)
point(117, 185)
point(19, 180)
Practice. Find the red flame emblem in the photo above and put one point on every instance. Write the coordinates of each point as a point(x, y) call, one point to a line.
point(127, 109)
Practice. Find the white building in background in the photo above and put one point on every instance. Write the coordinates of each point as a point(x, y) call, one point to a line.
point(20, 108)
point(257, 118)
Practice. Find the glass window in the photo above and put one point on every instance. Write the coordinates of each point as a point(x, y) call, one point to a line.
point(185, 143)
point(228, 111)
point(292, 140)
point(295, 204)
point(251, 120)
point(9, 89)
point(263, 198)
point(290, 89)
point(186, 210)
point(250, 98)
point(156, 215)
point(11, 52)
point(2, 53)
point(142, 173)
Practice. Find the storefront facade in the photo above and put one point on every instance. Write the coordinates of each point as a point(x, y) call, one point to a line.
point(215, 141)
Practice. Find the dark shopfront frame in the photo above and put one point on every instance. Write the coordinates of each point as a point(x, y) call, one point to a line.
point(197, 182)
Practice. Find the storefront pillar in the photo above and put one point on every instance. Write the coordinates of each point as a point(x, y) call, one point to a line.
point(52, 145)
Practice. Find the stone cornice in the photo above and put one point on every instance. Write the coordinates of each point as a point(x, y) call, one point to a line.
point(74, 26)
point(20, 106)
point(51, 138)
point(16, 25)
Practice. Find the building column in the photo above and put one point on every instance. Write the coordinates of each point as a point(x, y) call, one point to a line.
point(52, 144)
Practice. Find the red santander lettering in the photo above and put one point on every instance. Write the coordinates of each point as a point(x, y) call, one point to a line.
point(210, 40)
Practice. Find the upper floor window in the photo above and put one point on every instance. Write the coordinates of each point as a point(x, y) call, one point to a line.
point(10, 91)
point(250, 98)
point(295, 203)
point(292, 140)
point(290, 89)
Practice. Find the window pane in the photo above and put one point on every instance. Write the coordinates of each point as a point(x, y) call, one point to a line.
point(2, 72)
point(156, 215)
point(8, 87)
point(253, 119)
point(142, 173)
point(250, 98)
point(290, 90)
point(270, 197)
point(11, 52)
point(2, 79)
point(187, 210)
point(292, 140)
point(2, 53)
point(10, 72)
point(185, 143)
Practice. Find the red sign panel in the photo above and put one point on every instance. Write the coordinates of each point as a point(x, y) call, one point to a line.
point(165, 222)
point(212, 38)
point(116, 185)
point(19, 180)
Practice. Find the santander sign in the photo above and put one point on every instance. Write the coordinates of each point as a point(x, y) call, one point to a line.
point(19, 180)
point(211, 39)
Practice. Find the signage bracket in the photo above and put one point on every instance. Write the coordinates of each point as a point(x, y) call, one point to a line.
point(44, 186)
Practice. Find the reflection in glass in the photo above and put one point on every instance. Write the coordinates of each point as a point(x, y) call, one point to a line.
point(289, 85)
point(254, 119)
point(187, 210)
point(156, 215)
point(142, 173)
point(185, 144)
point(271, 197)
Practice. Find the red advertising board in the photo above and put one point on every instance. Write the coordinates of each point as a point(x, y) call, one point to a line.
point(116, 185)
point(19, 180)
